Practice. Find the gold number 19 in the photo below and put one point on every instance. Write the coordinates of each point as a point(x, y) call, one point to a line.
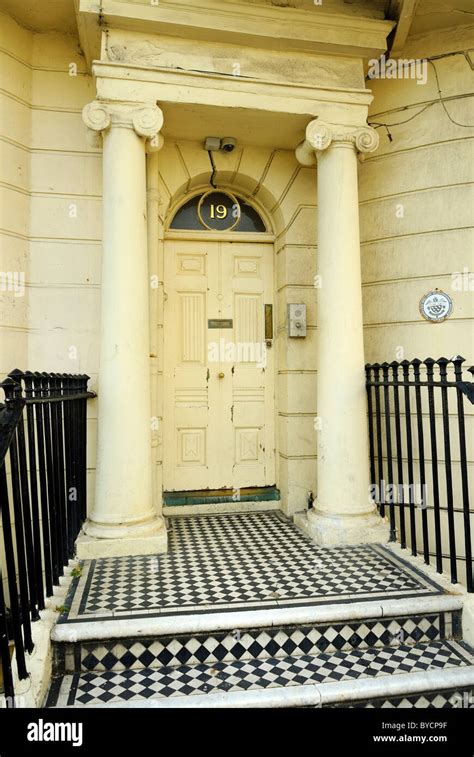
point(218, 211)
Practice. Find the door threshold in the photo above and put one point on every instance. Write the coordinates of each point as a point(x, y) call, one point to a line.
point(211, 501)
point(220, 496)
point(220, 508)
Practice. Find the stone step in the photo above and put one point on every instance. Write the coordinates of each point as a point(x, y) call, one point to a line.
point(439, 673)
point(245, 611)
point(232, 637)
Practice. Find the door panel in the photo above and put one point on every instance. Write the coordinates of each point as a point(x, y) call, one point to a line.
point(247, 271)
point(218, 378)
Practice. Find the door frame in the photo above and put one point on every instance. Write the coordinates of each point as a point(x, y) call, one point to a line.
point(219, 236)
point(243, 237)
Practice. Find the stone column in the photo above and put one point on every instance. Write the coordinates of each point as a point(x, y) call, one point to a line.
point(123, 520)
point(343, 512)
point(156, 289)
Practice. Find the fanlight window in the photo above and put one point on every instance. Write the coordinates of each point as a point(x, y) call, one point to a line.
point(219, 211)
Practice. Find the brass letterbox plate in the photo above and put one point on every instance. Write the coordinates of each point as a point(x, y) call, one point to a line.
point(220, 323)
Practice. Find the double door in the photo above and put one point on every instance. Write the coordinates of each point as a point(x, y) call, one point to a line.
point(218, 366)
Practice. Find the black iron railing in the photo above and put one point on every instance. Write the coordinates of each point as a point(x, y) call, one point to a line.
point(43, 499)
point(419, 457)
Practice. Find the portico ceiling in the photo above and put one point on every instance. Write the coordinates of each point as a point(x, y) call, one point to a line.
point(42, 15)
point(258, 128)
point(441, 14)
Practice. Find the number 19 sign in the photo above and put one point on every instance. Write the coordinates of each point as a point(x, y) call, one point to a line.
point(219, 211)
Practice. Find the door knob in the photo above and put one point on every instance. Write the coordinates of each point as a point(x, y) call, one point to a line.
point(221, 374)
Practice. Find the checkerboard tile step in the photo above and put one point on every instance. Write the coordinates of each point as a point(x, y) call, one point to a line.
point(261, 643)
point(234, 560)
point(193, 682)
point(440, 700)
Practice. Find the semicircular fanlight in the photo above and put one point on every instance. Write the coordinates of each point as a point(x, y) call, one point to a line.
point(219, 211)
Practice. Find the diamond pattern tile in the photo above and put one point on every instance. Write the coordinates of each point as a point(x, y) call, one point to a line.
point(238, 561)
point(261, 643)
point(436, 700)
point(241, 675)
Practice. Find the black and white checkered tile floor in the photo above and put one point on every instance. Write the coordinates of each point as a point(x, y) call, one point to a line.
point(223, 569)
point(89, 689)
point(238, 561)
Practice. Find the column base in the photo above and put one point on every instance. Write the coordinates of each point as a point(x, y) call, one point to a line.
point(334, 530)
point(105, 540)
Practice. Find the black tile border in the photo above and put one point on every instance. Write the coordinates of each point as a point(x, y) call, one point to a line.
point(86, 590)
point(413, 568)
point(457, 625)
point(53, 693)
point(465, 654)
point(73, 689)
point(70, 594)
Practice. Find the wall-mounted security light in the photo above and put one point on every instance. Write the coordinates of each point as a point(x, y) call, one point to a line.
point(212, 144)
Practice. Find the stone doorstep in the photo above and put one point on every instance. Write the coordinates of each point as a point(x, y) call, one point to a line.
point(239, 562)
point(441, 673)
point(444, 698)
point(209, 620)
point(253, 643)
point(306, 696)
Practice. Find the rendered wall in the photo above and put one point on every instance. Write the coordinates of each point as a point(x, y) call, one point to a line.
point(65, 221)
point(50, 209)
point(427, 169)
point(15, 157)
point(417, 213)
point(15, 135)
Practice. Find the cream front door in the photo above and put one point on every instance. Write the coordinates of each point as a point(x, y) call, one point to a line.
point(218, 411)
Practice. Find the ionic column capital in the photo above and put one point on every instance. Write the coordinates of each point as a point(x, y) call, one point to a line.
point(146, 120)
point(320, 135)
